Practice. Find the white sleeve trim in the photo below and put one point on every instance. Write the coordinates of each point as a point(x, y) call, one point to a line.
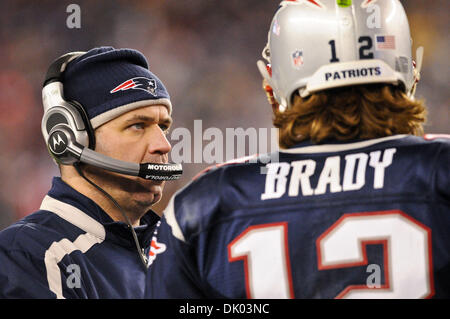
point(55, 254)
point(95, 234)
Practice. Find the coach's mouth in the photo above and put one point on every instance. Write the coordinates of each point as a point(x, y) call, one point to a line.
point(150, 183)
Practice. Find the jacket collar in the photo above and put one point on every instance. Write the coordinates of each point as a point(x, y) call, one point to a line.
point(84, 213)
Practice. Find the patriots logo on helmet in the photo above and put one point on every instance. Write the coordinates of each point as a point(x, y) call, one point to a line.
point(138, 83)
point(314, 3)
point(367, 3)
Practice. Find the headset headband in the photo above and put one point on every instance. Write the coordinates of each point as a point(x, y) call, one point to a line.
point(58, 66)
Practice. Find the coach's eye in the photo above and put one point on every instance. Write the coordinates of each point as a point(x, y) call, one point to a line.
point(164, 128)
point(137, 126)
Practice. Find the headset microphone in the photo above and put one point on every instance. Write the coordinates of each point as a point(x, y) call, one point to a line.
point(62, 144)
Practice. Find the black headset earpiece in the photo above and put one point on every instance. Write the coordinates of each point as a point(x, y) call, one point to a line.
point(70, 137)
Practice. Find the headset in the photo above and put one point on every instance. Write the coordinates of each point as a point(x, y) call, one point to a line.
point(70, 137)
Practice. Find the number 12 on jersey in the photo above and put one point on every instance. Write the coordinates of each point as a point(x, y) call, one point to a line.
point(406, 243)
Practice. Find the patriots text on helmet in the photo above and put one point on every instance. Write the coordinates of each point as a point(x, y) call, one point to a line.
point(352, 73)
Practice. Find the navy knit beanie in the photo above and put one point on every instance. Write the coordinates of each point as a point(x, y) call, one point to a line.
point(109, 82)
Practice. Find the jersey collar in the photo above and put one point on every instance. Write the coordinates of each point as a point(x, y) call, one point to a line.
point(331, 146)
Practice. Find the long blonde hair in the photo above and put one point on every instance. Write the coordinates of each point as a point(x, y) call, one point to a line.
point(356, 112)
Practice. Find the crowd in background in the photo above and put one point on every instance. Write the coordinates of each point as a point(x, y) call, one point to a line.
point(205, 52)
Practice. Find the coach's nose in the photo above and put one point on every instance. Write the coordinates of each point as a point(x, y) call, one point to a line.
point(158, 143)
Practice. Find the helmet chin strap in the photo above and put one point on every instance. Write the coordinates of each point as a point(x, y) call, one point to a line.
point(268, 86)
point(262, 67)
point(417, 69)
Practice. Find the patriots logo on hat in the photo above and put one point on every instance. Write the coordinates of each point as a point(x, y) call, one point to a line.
point(139, 83)
point(155, 249)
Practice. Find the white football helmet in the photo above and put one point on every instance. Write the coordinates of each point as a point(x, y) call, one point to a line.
point(315, 45)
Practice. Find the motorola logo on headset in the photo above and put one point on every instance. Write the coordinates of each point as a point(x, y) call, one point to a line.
point(58, 142)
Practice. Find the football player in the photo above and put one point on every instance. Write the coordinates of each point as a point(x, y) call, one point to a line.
point(357, 205)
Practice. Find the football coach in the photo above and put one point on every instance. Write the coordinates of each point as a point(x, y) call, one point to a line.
point(105, 122)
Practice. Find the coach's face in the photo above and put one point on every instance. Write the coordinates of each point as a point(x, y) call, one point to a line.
point(138, 136)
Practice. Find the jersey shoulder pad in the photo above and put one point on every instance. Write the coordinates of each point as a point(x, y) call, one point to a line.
point(432, 137)
point(240, 160)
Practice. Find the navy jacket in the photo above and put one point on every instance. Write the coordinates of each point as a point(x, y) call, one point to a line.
point(71, 248)
point(365, 219)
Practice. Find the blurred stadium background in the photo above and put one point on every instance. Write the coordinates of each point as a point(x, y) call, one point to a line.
point(205, 51)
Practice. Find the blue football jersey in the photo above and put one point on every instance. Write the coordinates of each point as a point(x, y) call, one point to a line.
point(366, 219)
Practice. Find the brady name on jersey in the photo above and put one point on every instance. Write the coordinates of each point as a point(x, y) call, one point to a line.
point(353, 175)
